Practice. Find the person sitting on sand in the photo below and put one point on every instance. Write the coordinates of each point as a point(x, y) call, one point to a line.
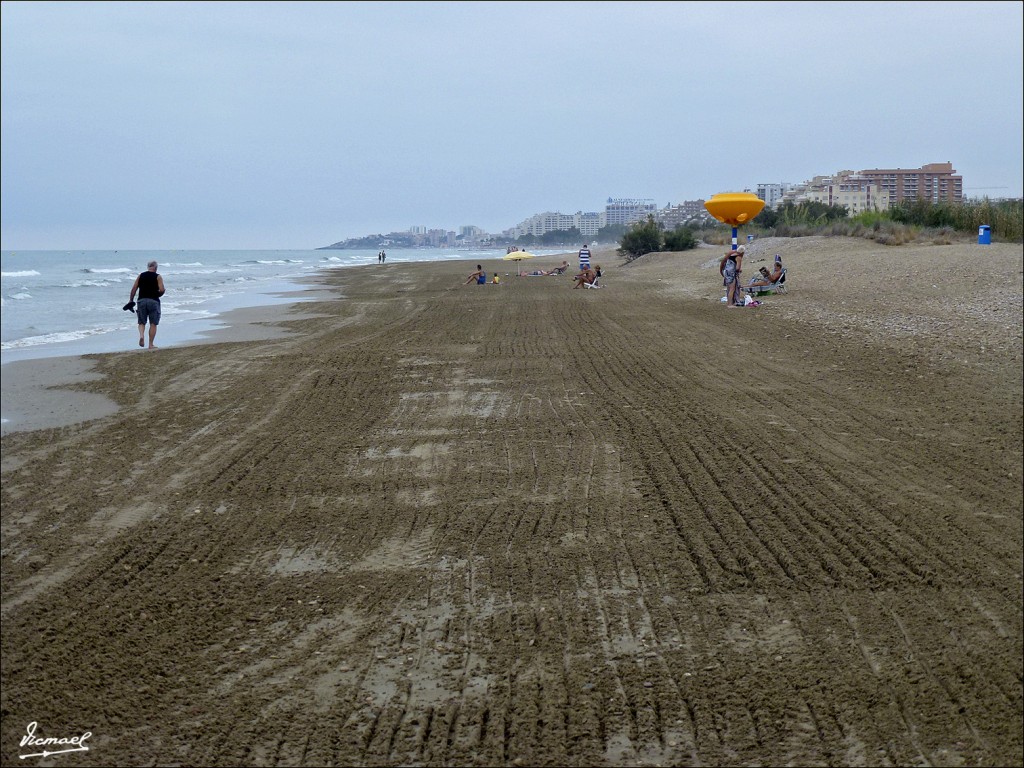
point(767, 278)
point(585, 277)
point(495, 280)
point(480, 277)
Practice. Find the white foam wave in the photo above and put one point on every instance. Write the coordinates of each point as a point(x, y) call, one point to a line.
point(118, 271)
point(53, 338)
point(90, 284)
point(23, 273)
point(211, 271)
point(20, 296)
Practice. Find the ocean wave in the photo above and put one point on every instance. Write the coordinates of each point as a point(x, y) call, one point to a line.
point(20, 296)
point(91, 284)
point(118, 271)
point(183, 264)
point(23, 273)
point(210, 271)
point(53, 338)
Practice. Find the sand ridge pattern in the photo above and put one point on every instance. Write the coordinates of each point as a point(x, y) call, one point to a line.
point(524, 525)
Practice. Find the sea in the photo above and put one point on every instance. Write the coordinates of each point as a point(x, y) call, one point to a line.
point(60, 303)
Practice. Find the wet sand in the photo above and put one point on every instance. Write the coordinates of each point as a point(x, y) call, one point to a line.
point(432, 523)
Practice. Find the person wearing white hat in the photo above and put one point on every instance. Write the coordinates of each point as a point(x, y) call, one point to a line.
point(730, 267)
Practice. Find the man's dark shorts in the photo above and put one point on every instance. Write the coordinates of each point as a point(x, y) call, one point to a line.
point(148, 309)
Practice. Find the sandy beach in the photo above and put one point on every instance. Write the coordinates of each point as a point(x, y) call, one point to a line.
point(417, 522)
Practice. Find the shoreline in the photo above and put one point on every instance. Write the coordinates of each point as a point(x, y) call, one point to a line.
point(40, 392)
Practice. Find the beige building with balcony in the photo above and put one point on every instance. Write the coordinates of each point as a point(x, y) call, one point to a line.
point(937, 182)
point(851, 190)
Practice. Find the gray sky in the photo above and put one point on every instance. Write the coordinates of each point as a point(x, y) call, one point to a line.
point(294, 125)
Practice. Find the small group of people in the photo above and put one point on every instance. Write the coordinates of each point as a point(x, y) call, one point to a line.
point(480, 277)
point(730, 267)
point(382, 257)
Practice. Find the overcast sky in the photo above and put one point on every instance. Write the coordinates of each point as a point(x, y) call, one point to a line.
point(294, 125)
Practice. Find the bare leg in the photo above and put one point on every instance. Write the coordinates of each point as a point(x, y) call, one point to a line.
point(142, 334)
point(152, 335)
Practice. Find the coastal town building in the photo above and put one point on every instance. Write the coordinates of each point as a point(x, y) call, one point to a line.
point(855, 193)
point(628, 210)
point(588, 223)
point(772, 194)
point(551, 221)
point(873, 189)
point(688, 212)
point(937, 182)
point(849, 189)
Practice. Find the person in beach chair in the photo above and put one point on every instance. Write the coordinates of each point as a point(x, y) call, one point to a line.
point(585, 278)
point(596, 282)
point(560, 270)
point(768, 282)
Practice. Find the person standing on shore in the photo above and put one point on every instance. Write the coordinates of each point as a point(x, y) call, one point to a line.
point(150, 287)
point(584, 258)
point(730, 267)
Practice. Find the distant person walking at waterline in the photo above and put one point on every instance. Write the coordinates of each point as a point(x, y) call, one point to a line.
point(150, 287)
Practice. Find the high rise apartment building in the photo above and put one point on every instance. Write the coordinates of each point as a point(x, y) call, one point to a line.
point(772, 194)
point(626, 211)
point(687, 212)
point(588, 223)
point(539, 224)
point(936, 182)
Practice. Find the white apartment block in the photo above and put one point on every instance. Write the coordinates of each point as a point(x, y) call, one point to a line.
point(588, 223)
point(687, 212)
point(627, 210)
point(772, 194)
point(550, 221)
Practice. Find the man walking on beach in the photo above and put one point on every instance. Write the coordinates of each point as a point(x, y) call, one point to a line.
point(150, 287)
point(584, 258)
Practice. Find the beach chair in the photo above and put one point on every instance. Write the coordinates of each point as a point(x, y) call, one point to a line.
point(779, 286)
point(595, 284)
point(559, 270)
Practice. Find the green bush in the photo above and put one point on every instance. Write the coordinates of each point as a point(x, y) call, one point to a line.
point(681, 239)
point(642, 237)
